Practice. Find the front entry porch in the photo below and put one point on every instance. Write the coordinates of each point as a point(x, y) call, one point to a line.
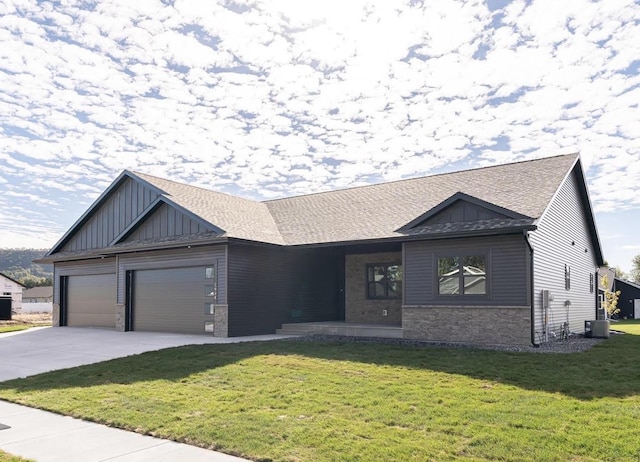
point(340, 328)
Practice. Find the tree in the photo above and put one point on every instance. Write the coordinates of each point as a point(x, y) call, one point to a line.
point(635, 269)
point(620, 273)
point(610, 298)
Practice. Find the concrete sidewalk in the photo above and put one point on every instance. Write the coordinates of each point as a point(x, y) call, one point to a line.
point(48, 437)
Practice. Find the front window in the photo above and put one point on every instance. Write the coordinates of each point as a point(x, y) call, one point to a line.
point(462, 275)
point(384, 281)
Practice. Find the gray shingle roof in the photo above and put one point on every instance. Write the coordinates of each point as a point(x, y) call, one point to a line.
point(374, 211)
point(239, 218)
point(38, 292)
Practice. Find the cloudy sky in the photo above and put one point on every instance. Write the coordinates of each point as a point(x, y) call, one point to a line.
point(269, 98)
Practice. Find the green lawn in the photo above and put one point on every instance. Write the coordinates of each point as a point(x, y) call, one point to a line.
point(14, 328)
point(5, 457)
point(304, 401)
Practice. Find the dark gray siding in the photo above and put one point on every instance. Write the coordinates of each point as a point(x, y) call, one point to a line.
point(166, 221)
point(119, 210)
point(461, 211)
point(272, 286)
point(507, 278)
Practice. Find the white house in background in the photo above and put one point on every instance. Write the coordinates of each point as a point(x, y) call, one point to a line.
point(38, 300)
point(13, 289)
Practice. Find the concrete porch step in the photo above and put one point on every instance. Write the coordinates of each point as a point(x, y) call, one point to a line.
point(342, 329)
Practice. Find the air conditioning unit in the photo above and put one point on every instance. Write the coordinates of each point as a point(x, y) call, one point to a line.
point(597, 328)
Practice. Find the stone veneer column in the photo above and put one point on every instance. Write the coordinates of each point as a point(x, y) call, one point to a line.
point(55, 315)
point(221, 320)
point(120, 317)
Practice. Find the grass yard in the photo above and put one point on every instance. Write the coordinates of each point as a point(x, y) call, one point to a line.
point(13, 328)
point(5, 457)
point(25, 321)
point(304, 401)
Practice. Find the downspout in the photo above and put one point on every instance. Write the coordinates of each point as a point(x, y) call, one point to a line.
point(531, 290)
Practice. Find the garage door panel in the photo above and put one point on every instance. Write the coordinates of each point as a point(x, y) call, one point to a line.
point(170, 276)
point(171, 300)
point(160, 290)
point(91, 300)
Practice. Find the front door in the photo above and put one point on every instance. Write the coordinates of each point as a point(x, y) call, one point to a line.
point(636, 308)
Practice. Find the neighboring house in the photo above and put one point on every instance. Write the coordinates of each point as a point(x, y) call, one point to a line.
point(156, 255)
point(11, 289)
point(38, 300)
point(629, 299)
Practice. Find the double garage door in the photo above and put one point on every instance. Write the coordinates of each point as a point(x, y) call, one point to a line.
point(162, 300)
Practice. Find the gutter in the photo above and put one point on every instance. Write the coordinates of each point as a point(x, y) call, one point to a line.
point(531, 290)
point(113, 251)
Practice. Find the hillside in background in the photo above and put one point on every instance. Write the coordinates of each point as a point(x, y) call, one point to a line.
point(18, 264)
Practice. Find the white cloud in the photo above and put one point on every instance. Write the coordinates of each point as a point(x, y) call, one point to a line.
point(255, 100)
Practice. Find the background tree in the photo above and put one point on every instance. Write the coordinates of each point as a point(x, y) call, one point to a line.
point(18, 265)
point(635, 269)
point(620, 273)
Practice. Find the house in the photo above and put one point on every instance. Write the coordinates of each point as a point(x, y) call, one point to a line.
point(38, 300)
point(11, 293)
point(156, 255)
point(629, 299)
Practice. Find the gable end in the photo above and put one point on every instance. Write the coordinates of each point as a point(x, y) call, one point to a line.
point(164, 220)
point(462, 208)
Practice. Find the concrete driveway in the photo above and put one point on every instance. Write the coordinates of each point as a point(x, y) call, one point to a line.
point(46, 349)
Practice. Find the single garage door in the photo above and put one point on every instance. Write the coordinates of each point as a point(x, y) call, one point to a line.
point(172, 300)
point(91, 300)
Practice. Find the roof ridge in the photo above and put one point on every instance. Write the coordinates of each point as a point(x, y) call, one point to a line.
point(349, 188)
point(179, 183)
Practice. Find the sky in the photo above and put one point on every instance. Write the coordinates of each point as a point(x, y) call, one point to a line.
point(272, 98)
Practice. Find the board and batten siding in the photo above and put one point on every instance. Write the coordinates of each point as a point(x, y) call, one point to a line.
point(507, 267)
point(562, 238)
point(269, 286)
point(215, 255)
point(166, 221)
point(119, 210)
point(80, 268)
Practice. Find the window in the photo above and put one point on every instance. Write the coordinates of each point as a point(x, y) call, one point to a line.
point(567, 277)
point(472, 280)
point(211, 277)
point(384, 280)
point(591, 282)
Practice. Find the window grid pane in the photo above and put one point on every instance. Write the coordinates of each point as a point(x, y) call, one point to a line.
point(464, 275)
point(384, 281)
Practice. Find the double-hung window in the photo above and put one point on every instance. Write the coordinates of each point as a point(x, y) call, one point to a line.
point(462, 275)
point(384, 281)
